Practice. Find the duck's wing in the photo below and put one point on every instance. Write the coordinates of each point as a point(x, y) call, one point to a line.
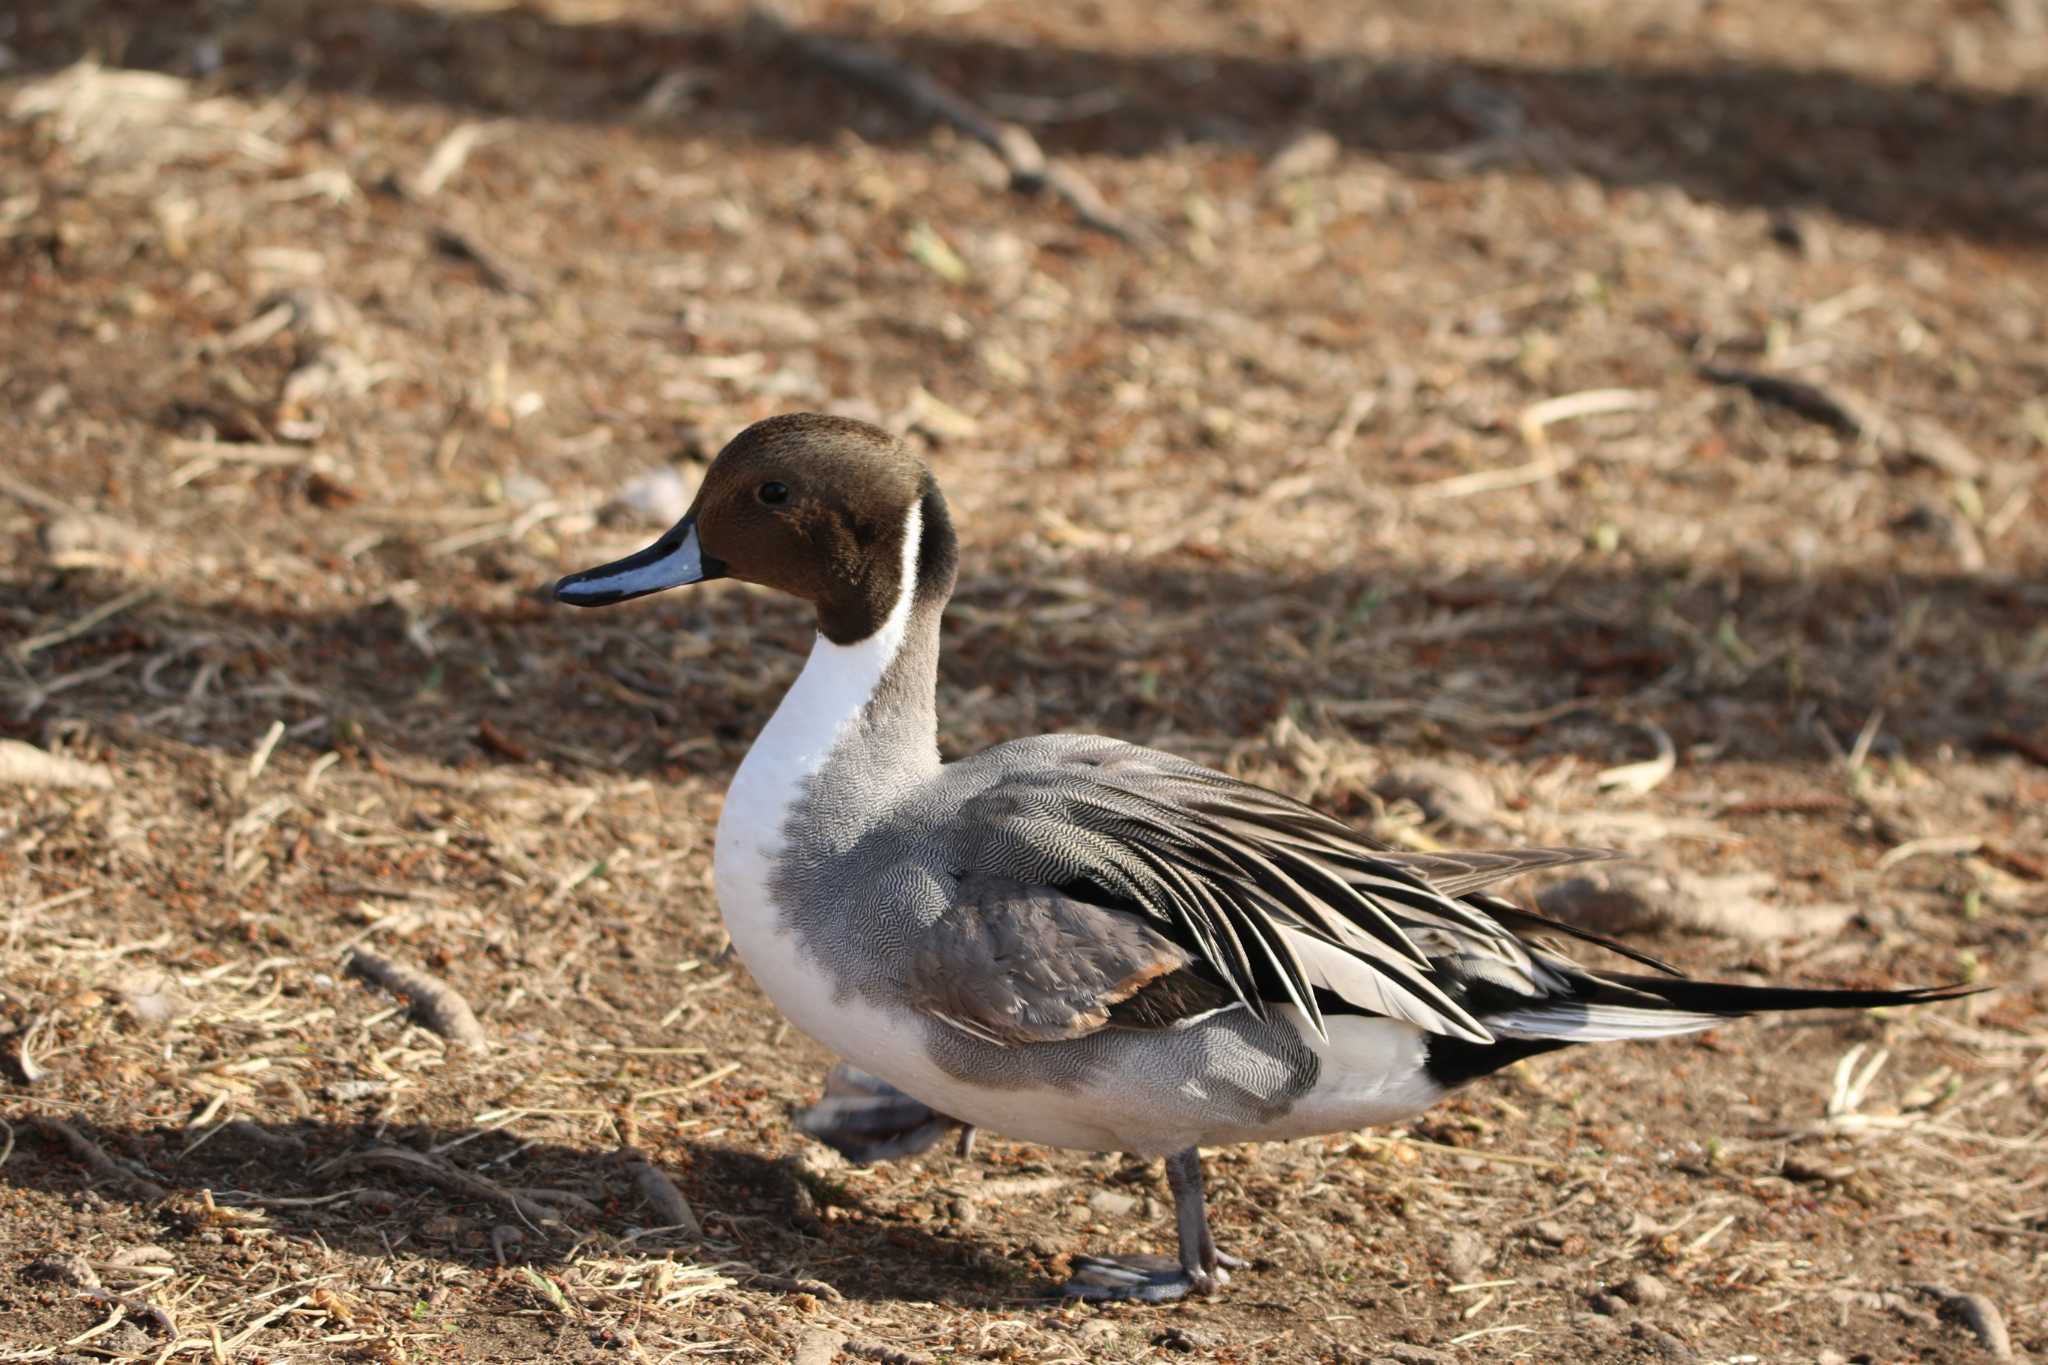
point(1119, 866)
point(1098, 885)
point(1014, 962)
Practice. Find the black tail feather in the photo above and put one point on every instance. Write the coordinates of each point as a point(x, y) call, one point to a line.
point(1688, 996)
point(1612, 1007)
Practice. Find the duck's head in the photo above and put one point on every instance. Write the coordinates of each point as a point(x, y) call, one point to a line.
point(828, 509)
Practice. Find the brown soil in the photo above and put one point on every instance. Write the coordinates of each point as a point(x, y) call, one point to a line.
point(323, 356)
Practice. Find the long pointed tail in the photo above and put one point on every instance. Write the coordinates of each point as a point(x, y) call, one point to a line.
point(1615, 1008)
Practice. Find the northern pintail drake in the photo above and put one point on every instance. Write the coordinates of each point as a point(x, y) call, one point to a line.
point(1072, 940)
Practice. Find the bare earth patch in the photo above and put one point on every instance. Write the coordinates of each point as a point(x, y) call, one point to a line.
point(1592, 422)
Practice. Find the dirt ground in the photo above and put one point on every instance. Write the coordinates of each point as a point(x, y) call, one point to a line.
point(1592, 420)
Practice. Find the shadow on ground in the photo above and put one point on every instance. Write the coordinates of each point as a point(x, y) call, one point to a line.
point(1923, 157)
point(1753, 665)
point(311, 1181)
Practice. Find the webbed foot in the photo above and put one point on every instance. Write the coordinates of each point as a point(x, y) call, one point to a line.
point(1140, 1279)
point(865, 1119)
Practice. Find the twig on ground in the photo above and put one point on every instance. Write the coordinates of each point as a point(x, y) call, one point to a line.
point(30, 495)
point(445, 1176)
point(1585, 403)
point(499, 273)
point(561, 1199)
point(661, 1194)
point(789, 1284)
point(98, 1162)
point(242, 1337)
point(435, 1003)
point(1910, 437)
point(1030, 171)
point(141, 1308)
point(1934, 845)
point(1975, 1312)
point(1539, 470)
point(104, 611)
point(1646, 775)
point(15, 1052)
point(1810, 401)
point(449, 156)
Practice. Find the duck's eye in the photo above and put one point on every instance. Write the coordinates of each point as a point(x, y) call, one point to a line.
point(774, 493)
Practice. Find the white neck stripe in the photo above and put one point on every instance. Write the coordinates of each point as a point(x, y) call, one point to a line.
point(825, 702)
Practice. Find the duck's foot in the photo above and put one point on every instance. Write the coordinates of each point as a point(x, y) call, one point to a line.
point(1142, 1279)
point(1201, 1269)
point(865, 1119)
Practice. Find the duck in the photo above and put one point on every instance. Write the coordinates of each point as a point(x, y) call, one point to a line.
point(1072, 940)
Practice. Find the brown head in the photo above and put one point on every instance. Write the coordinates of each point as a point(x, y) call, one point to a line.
point(815, 506)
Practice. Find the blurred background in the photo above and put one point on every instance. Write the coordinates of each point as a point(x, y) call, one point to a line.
point(1602, 421)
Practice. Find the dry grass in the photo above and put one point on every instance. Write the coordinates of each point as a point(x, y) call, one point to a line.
point(1591, 422)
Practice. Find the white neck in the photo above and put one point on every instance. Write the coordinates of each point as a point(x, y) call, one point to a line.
point(821, 711)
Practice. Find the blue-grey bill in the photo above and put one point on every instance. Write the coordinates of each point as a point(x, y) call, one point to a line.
point(671, 562)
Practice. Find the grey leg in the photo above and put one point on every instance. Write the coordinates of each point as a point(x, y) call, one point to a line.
point(1154, 1279)
point(1198, 1253)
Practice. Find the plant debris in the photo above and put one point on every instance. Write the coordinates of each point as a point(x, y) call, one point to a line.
point(436, 1003)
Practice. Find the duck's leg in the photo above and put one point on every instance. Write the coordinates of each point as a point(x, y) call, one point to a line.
point(866, 1119)
point(1154, 1279)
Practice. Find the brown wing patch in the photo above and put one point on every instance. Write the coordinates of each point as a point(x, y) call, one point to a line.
point(1168, 1000)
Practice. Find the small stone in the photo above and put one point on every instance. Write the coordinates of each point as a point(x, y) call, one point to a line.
point(1550, 1231)
point(1311, 153)
point(1404, 1354)
point(658, 497)
point(819, 1346)
point(1097, 1329)
point(127, 1338)
point(1182, 1339)
point(1644, 1291)
point(523, 490)
point(1609, 1305)
point(1110, 1204)
point(154, 997)
point(347, 1092)
point(1466, 1255)
point(1815, 1172)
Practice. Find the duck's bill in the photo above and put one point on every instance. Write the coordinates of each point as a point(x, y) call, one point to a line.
point(671, 562)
